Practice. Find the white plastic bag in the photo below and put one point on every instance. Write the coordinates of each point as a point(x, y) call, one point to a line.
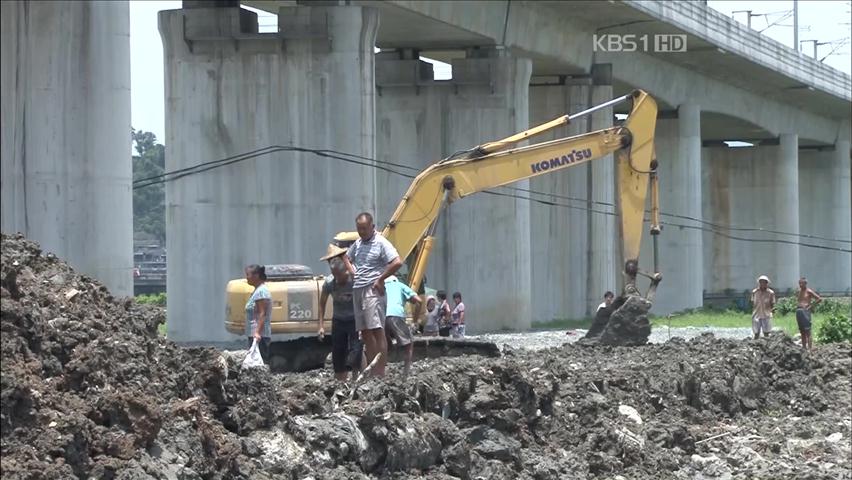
point(253, 358)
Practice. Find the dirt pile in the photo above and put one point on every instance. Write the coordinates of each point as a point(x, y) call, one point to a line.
point(624, 323)
point(90, 391)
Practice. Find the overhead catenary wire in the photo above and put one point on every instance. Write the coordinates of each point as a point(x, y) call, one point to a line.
point(380, 165)
point(331, 154)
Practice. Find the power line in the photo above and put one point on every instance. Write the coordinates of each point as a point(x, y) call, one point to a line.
point(374, 163)
point(356, 159)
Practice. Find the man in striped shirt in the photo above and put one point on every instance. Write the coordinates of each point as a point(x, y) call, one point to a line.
point(374, 259)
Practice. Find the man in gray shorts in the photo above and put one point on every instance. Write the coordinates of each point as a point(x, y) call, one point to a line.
point(375, 260)
point(806, 300)
point(763, 299)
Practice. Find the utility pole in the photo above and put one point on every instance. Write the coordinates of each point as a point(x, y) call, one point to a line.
point(796, 27)
point(748, 15)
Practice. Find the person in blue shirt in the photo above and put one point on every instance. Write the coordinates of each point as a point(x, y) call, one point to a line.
point(259, 310)
point(397, 294)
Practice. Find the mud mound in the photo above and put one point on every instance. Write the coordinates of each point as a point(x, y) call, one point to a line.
point(90, 391)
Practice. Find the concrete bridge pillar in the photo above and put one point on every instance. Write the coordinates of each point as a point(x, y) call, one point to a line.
point(842, 203)
point(560, 234)
point(230, 90)
point(824, 204)
point(681, 248)
point(604, 262)
point(483, 245)
point(574, 243)
point(785, 209)
point(65, 145)
point(755, 187)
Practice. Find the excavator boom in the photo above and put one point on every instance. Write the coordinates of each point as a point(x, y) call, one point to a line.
point(497, 163)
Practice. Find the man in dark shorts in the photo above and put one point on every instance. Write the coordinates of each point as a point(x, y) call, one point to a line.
point(344, 338)
point(395, 326)
point(806, 300)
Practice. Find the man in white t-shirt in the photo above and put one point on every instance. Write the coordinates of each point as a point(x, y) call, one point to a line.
point(608, 298)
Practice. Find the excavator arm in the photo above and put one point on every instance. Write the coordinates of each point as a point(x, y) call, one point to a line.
point(501, 163)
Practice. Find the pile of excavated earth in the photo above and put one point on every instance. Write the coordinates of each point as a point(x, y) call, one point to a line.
point(89, 390)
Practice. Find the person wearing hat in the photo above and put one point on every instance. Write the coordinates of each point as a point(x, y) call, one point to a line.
point(344, 337)
point(763, 299)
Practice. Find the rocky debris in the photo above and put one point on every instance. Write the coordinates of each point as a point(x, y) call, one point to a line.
point(624, 323)
point(90, 391)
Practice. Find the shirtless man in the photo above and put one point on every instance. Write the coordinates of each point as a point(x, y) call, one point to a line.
point(806, 300)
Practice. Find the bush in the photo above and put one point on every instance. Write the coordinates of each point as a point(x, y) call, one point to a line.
point(836, 328)
point(832, 307)
point(786, 306)
point(153, 298)
point(828, 306)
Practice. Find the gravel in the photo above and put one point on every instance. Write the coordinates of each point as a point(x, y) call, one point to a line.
point(553, 338)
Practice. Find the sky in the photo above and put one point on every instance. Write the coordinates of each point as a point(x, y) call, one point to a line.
point(825, 21)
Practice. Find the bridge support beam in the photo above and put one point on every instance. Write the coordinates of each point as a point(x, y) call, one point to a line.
point(824, 205)
point(483, 245)
point(66, 157)
point(752, 188)
point(229, 91)
point(783, 173)
point(559, 235)
point(604, 262)
point(678, 143)
point(574, 242)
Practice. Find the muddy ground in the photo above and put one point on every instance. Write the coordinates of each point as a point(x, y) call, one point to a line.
point(90, 391)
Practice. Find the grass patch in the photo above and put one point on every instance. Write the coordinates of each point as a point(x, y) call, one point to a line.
point(696, 318)
point(161, 329)
point(733, 319)
point(152, 298)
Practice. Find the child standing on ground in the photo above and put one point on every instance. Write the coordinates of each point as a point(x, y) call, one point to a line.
point(395, 326)
point(457, 328)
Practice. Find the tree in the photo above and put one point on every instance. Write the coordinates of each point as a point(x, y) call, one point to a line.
point(149, 210)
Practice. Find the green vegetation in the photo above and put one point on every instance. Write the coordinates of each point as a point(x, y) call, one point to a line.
point(836, 328)
point(152, 299)
point(149, 211)
point(831, 320)
point(732, 319)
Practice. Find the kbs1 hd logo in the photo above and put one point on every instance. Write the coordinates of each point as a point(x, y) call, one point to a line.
point(658, 43)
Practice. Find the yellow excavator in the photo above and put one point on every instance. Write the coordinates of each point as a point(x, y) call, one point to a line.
point(296, 290)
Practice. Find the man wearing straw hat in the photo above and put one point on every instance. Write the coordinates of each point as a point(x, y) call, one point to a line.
point(344, 337)
point(763, 299)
